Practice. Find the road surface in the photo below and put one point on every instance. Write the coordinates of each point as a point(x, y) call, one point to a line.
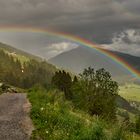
point(15, 123)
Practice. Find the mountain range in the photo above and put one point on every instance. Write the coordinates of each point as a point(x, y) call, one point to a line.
point(12, 50)
point(77, 59)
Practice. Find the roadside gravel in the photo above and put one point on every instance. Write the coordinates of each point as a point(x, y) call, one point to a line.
point(15, 123)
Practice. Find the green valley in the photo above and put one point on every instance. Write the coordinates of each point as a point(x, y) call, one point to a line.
point(89, 106)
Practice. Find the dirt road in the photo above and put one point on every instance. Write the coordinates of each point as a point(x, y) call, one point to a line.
point(15, 123)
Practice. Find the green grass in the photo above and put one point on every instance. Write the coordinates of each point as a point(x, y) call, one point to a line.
point(131, 92)
point(55, 118)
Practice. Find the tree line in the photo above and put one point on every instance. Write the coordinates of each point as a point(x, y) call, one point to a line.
point(92, 91)
point(24, 75)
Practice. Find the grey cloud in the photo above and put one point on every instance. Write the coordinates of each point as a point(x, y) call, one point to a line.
point(97, 20)
point(39, 44)
point(127, 41)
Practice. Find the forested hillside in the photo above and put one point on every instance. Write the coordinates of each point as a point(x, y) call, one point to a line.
point(25, 74)
point(18, 53)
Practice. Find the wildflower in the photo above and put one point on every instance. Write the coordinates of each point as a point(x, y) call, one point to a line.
point(47, 132)
point(41, 108)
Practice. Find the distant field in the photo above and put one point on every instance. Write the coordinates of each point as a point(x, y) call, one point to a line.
point(130, 92)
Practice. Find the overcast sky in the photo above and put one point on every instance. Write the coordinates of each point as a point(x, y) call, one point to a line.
point(115, 23)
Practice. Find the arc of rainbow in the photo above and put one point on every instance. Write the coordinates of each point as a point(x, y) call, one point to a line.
point(76, 39)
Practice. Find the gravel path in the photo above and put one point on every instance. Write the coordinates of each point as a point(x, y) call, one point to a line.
point(15, 123)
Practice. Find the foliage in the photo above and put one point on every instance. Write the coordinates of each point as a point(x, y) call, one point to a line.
point(138, 124)
point(63, 82)
point(96, 92)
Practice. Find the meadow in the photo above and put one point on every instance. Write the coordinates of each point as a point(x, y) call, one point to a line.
point(131, 92)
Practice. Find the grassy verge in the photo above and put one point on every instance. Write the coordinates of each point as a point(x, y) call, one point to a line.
point(55, 119)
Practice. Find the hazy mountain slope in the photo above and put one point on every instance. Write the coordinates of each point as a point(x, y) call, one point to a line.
point(15, 51)
point(132, 60)
point(78, 59)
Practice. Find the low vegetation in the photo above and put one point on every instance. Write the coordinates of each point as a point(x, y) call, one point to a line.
point(55, 118)
point(4, 88)
point(79, 109)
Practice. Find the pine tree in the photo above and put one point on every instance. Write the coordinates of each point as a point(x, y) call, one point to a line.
point(63, 82)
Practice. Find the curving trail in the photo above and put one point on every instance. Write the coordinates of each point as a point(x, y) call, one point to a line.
point(15, 123)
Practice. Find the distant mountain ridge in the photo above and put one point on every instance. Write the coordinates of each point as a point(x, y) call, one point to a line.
point(78, 59)
point(11, 49)
point(134, 61)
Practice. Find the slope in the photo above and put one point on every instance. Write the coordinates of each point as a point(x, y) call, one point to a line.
point(78, 59)
point(18, 53)
point(19, 69)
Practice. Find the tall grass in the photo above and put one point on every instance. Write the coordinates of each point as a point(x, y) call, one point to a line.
point(55, 119)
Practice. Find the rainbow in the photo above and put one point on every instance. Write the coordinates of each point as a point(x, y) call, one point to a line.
point(81, 41)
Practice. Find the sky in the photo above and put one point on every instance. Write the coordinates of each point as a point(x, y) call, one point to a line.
point(115, 24)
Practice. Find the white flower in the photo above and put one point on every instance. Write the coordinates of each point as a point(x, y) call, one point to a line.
point(41, 108)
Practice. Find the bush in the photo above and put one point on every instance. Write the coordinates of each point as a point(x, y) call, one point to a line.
point(137, 125)
point(96, 92)
point(96, 132)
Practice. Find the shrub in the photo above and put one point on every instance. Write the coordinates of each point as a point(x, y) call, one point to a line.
point(96, 92)
point(138, 124)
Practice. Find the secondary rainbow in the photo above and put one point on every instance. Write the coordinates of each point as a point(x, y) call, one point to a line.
point(76, 39)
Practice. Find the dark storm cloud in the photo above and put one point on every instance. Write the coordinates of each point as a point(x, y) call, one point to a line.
point(94, 19)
